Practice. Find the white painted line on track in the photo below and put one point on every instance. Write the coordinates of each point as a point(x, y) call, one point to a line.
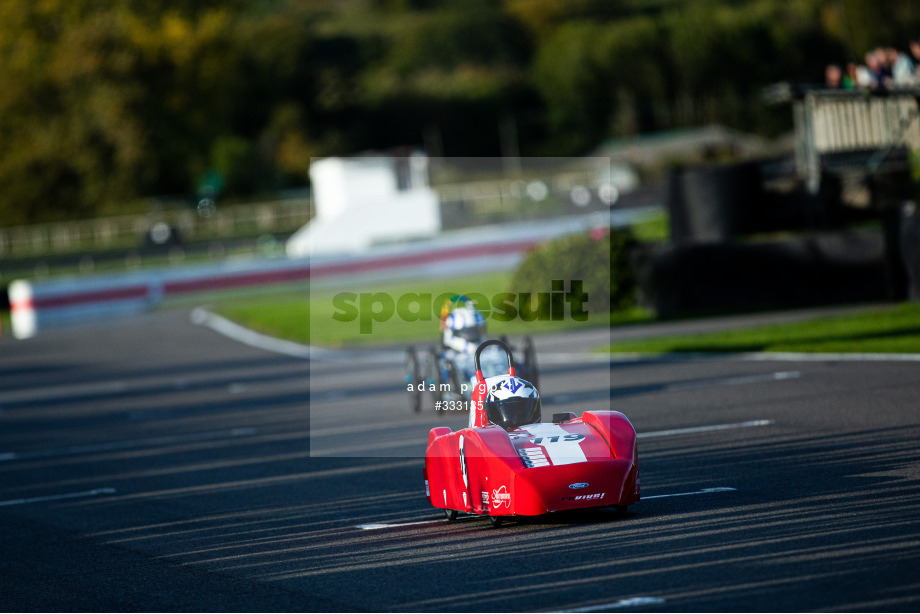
point(705, 491)
point(736, 381)
point(374, 526)
point(632, 602)
point(390, 525)
point(704, 429)
point(72, 495)
point(128, 445)
point(203, 317)
point(829, 357)
point(219, 324)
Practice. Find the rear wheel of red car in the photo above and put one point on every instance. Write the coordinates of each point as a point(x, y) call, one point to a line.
point(496, 521)
point(621, 509)
point(451, 515)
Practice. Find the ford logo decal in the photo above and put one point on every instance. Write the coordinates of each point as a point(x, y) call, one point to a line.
point(578, 485)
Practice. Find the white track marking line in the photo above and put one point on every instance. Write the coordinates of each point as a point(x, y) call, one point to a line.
point(225, 327)
point(704, 429)
point(219, 324)
point(72, 495)
point(829, 356)
point(705, 491)
point(384, 525)
point(736, 381)
point(203, 317)
point(128, 445)
point(622, 603)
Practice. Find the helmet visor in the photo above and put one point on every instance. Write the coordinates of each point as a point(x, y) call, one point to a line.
point(514, 412)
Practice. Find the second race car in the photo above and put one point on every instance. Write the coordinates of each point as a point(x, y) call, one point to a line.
point(446, 373)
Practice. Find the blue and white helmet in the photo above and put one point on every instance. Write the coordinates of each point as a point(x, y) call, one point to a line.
point(466, 323)
point(511, 402)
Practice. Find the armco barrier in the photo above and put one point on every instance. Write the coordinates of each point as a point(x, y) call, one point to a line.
point(35, 306)
point(39, 305)
point(42, 305)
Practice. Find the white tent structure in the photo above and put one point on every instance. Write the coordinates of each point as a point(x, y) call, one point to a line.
point(366, 201)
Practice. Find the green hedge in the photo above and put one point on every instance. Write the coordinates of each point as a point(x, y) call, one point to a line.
point(599, 259)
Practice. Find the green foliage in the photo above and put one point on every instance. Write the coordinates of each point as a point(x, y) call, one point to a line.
point(890, 329)
point(103, 104)
point(600, 259)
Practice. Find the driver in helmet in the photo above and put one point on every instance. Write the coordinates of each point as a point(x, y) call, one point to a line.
point(511, 402)
point(464, 329)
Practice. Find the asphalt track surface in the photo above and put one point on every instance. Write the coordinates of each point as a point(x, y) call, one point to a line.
point(155, 465)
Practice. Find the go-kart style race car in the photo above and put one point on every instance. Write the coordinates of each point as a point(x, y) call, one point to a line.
point(447, 373)
point(509, 463)
point(451, 376)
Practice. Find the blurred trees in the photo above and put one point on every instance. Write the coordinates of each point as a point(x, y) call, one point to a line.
point(103, 104)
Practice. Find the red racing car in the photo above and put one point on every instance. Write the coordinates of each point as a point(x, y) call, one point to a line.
point(509, 463)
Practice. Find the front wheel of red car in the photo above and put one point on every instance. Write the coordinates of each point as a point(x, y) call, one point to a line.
point(496, 521)
point(451, 515)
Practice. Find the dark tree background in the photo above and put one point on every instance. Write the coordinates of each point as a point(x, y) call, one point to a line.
point(105, 104)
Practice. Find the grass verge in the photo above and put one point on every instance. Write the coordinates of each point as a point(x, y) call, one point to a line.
point(880, 330)
point(320, 317)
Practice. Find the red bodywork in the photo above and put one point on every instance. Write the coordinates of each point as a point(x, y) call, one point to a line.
point(590, 461)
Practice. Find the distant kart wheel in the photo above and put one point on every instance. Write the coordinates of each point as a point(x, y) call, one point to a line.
point(496, 521)
point(452, 385)
point(435, 377)
point(453, 380)
point(413, 377)
point(530, 362)
point(451, 515)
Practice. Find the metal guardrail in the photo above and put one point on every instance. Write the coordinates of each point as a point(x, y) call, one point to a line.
point(541, 195)
point(130, 230)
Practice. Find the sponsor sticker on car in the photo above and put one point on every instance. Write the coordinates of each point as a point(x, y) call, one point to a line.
point(500, 497)
point(592, 497)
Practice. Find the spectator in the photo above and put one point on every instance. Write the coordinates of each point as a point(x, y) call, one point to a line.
point(851, 78)
point(878, 76)
point(882, 68)
point(914, 47)
point(885, 67)
point(866, 76)
point(833, 76)
point(903, 71)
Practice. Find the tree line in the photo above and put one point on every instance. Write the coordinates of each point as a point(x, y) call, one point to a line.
point(106, 105)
